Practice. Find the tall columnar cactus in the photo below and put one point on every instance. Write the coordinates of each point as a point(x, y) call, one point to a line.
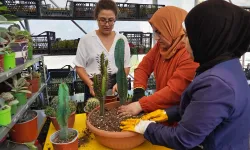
point(63, 110)
point(101, 82)
point(121, 77)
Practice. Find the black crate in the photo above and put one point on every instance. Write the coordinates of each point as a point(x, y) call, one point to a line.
point(57, 77)
point(23, 8)
point(151, 83)
point(47, 11)
point(127, 11)
point(42, 42)
point(147, 10)
point(246, 8)
point(84, 10)
point(79, 86)
point(140, 43)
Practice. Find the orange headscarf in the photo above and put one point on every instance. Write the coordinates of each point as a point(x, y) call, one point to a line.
point(168, 21)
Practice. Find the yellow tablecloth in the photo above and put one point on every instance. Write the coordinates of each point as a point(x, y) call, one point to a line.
point(80, 125)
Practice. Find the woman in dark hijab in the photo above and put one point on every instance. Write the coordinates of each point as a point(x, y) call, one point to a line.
point(215, 108)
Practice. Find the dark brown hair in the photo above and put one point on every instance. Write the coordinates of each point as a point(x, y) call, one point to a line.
point(105, 5)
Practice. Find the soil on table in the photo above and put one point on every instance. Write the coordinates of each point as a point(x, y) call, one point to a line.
point(85, 138)
point(71, 136)
point(110, 121)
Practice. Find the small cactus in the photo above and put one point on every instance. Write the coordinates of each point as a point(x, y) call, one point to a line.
point(91, 104)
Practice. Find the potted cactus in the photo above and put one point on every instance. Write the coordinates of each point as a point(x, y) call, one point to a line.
point(91, 104)
point(51, 110)
point(103, 121)
point(11, 101)
point(35, 81)
point(19, 89)
point(65, 138)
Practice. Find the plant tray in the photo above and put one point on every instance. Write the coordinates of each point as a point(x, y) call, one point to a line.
point(84, 9)
point(127, 10)
point(79, 86)
point(147, 10)
point(23, 8)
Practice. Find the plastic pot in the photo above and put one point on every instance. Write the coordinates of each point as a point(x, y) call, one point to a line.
point(21, 97)
point(9, 61)
point(26, 131)
point(71, 145)
point(71, 121)
point(5, 116)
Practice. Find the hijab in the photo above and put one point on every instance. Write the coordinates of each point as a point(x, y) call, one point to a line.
point(168, 21)
point(218, 31)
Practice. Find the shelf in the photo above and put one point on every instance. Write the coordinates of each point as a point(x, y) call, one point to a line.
point(8, 74)
point(20, 112)
point(41, 120)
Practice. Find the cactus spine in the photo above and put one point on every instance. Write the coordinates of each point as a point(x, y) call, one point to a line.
point(121, 77)
point(101, 82)
point(63, 110)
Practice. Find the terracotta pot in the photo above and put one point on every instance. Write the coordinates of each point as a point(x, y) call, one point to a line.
point(72, 145)
point(30, 89)
point(110, 99)
point(71, 121)
point(115, 140)
point(26, 131)
point(35, 84)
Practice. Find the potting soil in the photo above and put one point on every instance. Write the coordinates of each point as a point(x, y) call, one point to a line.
point(110, 121)
point(71, 136)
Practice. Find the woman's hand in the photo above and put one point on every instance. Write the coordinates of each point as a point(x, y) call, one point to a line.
point(91, 88)
point(115, 89)
point(130, 109)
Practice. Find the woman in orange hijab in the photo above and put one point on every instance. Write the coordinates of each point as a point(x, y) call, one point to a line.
point(169, 60)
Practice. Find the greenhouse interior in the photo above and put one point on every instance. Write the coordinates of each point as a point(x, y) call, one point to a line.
point(52, 97)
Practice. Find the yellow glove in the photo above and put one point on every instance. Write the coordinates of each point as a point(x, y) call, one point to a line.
point(158, 115)
point(135, 125)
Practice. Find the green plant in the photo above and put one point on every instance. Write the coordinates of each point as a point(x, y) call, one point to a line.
point(9, 98)
point(50, 110)
point(18, 86)
point(91, 104)
point(63, 111)
point(121, 77)
point(36, 74)
point(101, 81)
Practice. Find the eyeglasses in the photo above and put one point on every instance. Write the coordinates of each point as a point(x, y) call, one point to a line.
point(104, 21)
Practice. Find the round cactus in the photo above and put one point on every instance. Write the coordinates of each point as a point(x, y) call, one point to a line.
point(91, 104)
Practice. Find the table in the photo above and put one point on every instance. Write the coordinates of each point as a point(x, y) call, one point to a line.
point(80, 125)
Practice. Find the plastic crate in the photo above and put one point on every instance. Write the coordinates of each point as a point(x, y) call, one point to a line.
point(83, 10)
point(79, 86)
point(42, 42)
point(147, 10)
point(151, 83)
point(56, 78)
point(246, 8)
point(127, 10)
point(23, 8)
point(140, 43)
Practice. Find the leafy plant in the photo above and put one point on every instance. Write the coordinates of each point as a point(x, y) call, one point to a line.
point(91, 104)
point(18, 86)
point(121, 77)
point(63, 111)
point(101, 82)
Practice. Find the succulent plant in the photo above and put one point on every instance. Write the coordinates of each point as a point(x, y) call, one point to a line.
point(101, 81)
point(36, 74)
point(91, 104)
point(121, 77)
point(7, 96)
point(63, 111)
point(19, 85)
point(50, 110)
